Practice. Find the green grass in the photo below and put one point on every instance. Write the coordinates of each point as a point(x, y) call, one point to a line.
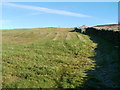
point(46, 58)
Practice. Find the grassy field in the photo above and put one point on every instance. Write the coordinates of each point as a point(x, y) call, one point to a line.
point(46, 58)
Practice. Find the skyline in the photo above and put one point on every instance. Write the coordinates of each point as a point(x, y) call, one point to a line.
point(58, 14)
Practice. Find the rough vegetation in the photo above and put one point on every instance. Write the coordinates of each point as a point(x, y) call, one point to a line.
point(107, 72)
point(111, 35)
point(46, 58)
point(103, 31)
point(61, 58)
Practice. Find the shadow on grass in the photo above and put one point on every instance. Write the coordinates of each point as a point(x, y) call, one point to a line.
point(107, 69)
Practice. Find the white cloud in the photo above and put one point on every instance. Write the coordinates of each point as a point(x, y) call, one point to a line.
point(36, 13)
point(47, 10)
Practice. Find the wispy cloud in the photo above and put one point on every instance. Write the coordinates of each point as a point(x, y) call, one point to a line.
point(36, 13)
point(47, 10)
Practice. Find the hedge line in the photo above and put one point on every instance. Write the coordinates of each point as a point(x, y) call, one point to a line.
point(110, 35)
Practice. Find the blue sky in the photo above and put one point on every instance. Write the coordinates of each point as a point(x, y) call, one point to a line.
point(57, 14)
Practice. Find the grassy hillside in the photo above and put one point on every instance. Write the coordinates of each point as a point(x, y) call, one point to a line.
point(46, 58)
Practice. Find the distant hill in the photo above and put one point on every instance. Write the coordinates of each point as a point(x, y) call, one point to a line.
point(114, 27)
point(107, 25)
